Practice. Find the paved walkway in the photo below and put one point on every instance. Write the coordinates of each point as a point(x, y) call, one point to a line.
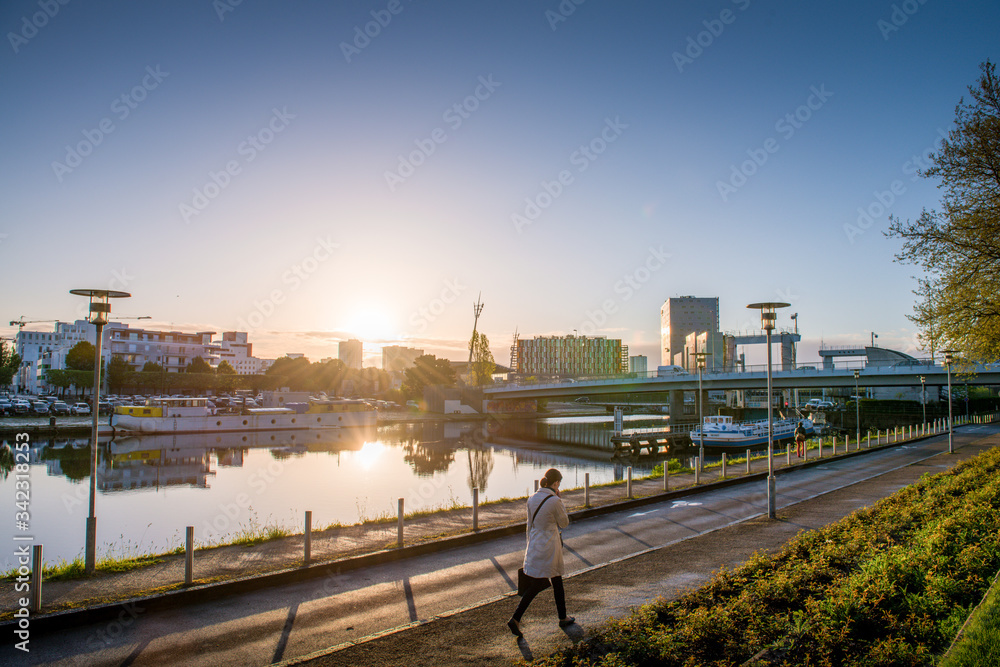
point(337, 544)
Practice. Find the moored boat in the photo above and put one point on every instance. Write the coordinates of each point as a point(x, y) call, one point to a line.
point(195, 415)
point(721, 432)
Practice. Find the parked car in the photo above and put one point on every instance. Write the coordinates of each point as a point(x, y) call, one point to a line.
point(21, 407)
point(79, 409)
point(6, 407)
point(59, 408)
point(40, 408)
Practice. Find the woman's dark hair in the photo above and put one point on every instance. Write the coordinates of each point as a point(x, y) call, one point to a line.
point(551, 477)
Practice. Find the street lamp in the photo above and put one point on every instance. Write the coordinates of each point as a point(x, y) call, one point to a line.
point(767, 318)
point(923, 395)
point(700, 356)
point(857, 405)
point(948, 359)
point(100, 309)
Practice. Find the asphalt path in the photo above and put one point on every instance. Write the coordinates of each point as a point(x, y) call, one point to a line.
point(367, 617)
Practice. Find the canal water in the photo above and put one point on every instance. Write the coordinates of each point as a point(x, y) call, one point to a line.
point(150, 488)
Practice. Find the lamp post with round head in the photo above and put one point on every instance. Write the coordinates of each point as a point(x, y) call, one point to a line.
point(100, 309)
point(948, 359)
point(857, 406)
point(701, 410)
point(767, 319)
point(923, 395)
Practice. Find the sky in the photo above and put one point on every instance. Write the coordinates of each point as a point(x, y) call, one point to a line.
point(312, 171)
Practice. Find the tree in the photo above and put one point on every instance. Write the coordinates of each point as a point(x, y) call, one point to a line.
point(198, 365)
point(483, 365)
point(226, 378)
point(9, 363)
point(958, 247)
point(151, 367)
point(81, 357)
point(427, 369)
point(119, 374)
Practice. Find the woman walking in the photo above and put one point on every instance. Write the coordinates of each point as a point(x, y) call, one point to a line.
point(543, 557)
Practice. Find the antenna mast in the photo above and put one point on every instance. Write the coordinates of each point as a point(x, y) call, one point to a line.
point(476, 309)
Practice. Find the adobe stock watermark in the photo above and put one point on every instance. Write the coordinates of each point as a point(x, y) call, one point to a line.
point(581, 158)
point(248, 150)
point(31, 25)
point(425, 315)
point(363, 35)
point(898, 17)
point(454, 116)
point(229, 514)
point(625, 288)
point(563, 11)
point(883, 200)
point(122, 107)
point(696, 44)
point(223, 7)
point(106, 636)
point(293, 277)
point(786, 126)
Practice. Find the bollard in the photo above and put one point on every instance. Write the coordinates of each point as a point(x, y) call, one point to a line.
point(307, 546)
point(805, 450)
point(748, 461)
point(37, 567)
point(666, 474)
point(399, 526)
point(189, 556)
point(475, 509)
point(834, 446)
point(586, 487)
point(697, 468)
point(788, 454)
point(628, 482)
point(723, 465)
point(536, 486)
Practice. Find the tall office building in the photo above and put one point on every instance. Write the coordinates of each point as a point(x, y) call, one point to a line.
point(397, 358)
point(350, 351)
point(680, 317)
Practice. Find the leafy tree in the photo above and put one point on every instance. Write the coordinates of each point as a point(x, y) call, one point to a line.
point(427, 370)
point(296, 374)
point(198, 365)
point(81, 357)
point(483, 364)
point(151, 367)
point(119, 374)
point(9, 363)
point(958, 247)
point(226, 377)
point(225, 369)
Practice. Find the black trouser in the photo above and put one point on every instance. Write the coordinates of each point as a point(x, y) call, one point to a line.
point(557, 592)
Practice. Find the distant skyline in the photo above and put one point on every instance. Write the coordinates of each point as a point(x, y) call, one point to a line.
point(311, 172)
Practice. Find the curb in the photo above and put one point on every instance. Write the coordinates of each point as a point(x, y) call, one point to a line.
point(204, 592)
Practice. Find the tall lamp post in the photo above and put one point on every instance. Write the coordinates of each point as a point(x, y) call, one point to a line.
point(701, 411)
point(100, 309)
point(948, 359)
point(857, 406)
point(923, 395)
point(767, 318)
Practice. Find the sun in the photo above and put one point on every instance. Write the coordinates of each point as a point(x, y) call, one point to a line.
point(372, 324)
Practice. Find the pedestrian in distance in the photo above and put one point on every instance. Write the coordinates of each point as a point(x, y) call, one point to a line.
point(800, 440)
point(543, 557)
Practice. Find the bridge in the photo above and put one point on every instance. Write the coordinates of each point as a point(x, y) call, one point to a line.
point(753, 377)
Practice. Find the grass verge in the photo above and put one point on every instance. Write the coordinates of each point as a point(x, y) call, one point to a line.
point(979, 642)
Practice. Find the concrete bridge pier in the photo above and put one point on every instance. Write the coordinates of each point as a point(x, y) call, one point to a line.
point(676, 405)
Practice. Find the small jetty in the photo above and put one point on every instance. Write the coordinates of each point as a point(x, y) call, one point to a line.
point(632, 442)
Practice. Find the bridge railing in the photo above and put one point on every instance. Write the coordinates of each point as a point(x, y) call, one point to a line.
point(812, 368)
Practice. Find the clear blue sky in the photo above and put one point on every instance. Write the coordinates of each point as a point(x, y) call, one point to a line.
point(268, 166)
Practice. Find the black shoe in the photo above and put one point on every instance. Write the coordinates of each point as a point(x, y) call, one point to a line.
point(566, 622)
point(515, 628)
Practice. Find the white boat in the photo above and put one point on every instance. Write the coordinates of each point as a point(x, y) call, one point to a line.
point(722, 433)
point(193, 415)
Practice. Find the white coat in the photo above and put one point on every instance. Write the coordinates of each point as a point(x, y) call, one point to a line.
point(543, 558)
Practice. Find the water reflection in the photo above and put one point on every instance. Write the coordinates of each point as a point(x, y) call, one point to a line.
point(151, 486)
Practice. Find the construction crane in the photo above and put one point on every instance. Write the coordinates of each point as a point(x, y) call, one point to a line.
point(21, 322)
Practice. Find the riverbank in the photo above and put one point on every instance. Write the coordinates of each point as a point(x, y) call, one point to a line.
point(347, 547)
